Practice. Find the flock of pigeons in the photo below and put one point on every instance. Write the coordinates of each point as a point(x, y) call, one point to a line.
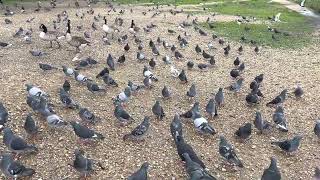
point(39, 101)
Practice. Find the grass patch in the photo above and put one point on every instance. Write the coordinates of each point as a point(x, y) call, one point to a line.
point(313, 4)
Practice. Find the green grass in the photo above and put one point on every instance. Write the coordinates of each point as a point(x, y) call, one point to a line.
point(297, 26)
point(313, 4)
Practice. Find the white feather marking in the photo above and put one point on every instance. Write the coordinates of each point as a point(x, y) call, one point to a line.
point(197, 122)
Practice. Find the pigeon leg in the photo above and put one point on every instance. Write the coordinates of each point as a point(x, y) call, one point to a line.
point(58, 45)
point(50, 44)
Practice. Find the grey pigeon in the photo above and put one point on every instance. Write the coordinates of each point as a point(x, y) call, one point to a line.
point(176, 127)
point(103, 72)
point(183, 77)
point(192, 91)
point(88, 116)
point(7, 21)
point(259, 78)
point(35, 91)
point(4, 44)
point(68, 71)
point(148, 73)
point(191, 113)
point(37, 53)
point(227, 152)
point(85, 133)
point(19, 32)
point(110, 62)
point(241, 67)
point(316, 129)
point(46, 67)
point(139, 132)
point(30, 125)
point(195, 171)
point(14, 169)
point(16, 144)
point(55, 121)
point(272, 172)
point(94, 88)
point(66, 86)
point(316, 174)
point(280, 119)
point(260, 123)
point(219, 97)
point(234, 73)
point(158, 111)
point(211, 108)
point(3, 115)
point(123, 97)
point(279, 99)
point(79, 77)
point(202, 125)
point(134, 87)
point(147, 82)
point(252, 98)
point(290, 145)
point(123, 117)
point(183, 147)
point(244, 131)
point(166, 94)
point(298, 92)
point(141, 174)
point(39, 105)
point(109, 81)
point(82, 164)
point(66, 100)
point(235, 87)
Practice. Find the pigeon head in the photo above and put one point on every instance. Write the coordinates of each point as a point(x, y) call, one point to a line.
point(29, 86)
point(223, 140)
point(279, 109)
point(273, 164)
point(145, 165)
point(127, 91)
point(298, 138)
point(78, 152)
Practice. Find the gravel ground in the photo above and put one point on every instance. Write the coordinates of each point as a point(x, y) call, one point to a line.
point(282, 69)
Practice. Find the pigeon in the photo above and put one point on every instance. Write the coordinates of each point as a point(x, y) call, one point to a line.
point(126, 47)
point(148, 73)
point(206, 55)
point(147, 82)
point(85, 133)
point(166, 59)
point(152, 63)
point(68, 71)
point(14, 169)
point(139, 132)
point(259, 78)
point(241, 67)
point(30, 125)
point(235, 87)
point(16, 144)
point(37, 53)
point(195, 170)
point(182, 76)
point(279, 118)
point(272, 172)
point(109, 81)
point(174, 71)
point(7, 21)
point(178, 55)
point(94, 88)
point(4, 44)
point(134, 87)
point(166, 94)
point(55, 121)
point(192, 91)
point(198, 49)
point(121, 59)
point(66, 86)
point(35, 91)
point(298, 92)
point(82, 164)
point(176, 127)
point(202, 125)
point(88, 116)
point(240, 49)
point(123, 97)
point(19, 32)
point(260, 123)
point(219, 97)
point(211, 108)
point(236, 62)
point(244, 131)
point(227, 152)
point(290, 145)
point(203, 66)
point(103, 72)
point(3, 115)
point(110, 62)
point(79, 77)
point(183, 147)
point(141, 174)
point(155, 51)
point(190, 64)
point(39, 105)
point(140, 56)
point(191, 113)
point(316, 174)
point(122, 116)
point(316, 129)
point(279, 99)
point(66, 100)
point(254, 85)
point(234, 73)
point(158, 111)
point(252, 98)
point(46, 67)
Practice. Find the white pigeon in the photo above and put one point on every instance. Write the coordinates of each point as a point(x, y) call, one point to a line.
point(174, 72)
point(277, 17)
